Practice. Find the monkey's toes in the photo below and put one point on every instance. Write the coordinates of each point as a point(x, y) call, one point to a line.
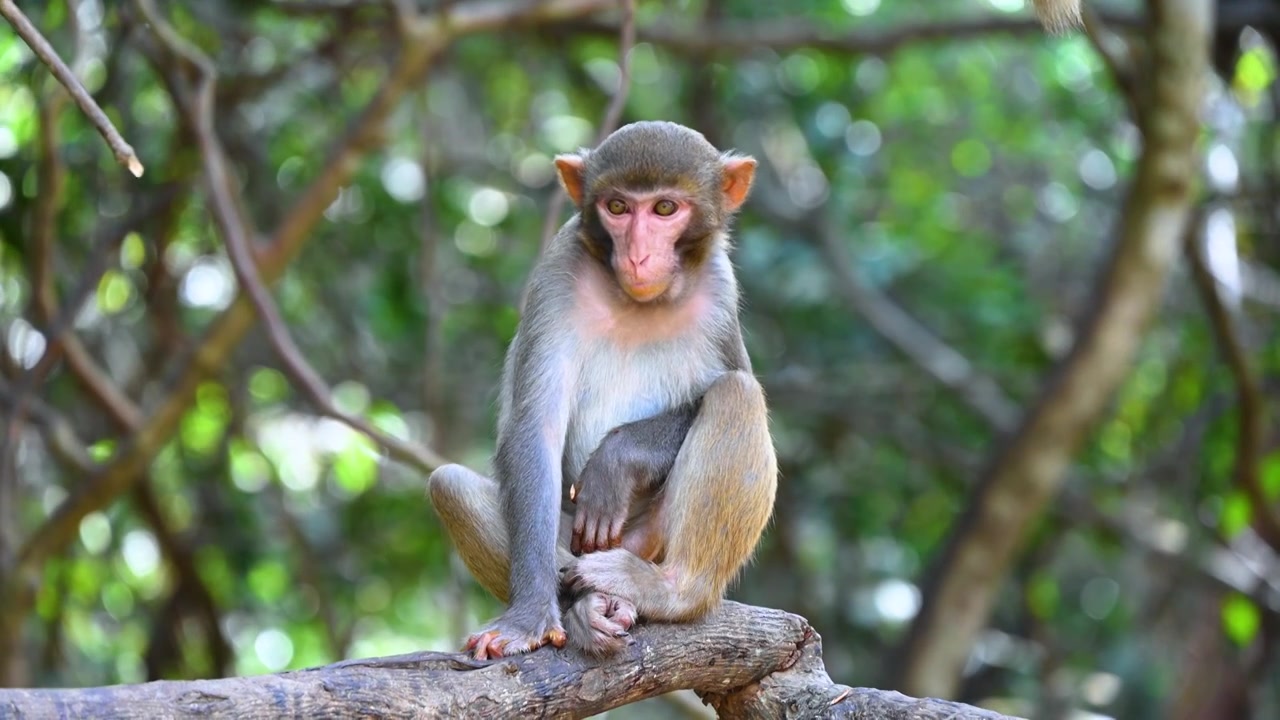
point(556, 637)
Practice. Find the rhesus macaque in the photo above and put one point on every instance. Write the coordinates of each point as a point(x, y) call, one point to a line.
point(633, 450)
point(1058, 15)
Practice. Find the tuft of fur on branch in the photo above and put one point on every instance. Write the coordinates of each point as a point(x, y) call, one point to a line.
point(745, 661)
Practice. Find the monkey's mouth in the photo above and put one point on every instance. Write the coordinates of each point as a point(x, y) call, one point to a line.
point(644, 292)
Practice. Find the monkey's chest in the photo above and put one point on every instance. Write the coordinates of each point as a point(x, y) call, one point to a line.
point(621, 385)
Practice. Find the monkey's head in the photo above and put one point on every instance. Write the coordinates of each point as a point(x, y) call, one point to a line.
point(654, 198)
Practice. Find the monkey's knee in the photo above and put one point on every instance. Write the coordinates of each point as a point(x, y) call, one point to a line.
point(467, 502)
point(733, 390)
point(450, 485)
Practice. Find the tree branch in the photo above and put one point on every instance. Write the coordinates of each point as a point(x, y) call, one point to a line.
point(1030, 468)
point(1251, 427)
point(236, 230)
point(612, 114)
point(745, 661)
point(744, 38)
point(913, 339)
point(427, 38)
point(123, 151)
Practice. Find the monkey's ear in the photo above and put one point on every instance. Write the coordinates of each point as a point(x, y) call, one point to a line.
point(738, 174)
point(569, 167)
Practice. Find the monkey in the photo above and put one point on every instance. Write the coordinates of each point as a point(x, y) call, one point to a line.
point(1059, 16)
point(634, 471)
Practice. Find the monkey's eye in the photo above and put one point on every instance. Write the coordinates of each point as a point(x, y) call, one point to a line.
point(664, 208)
point(616, 207)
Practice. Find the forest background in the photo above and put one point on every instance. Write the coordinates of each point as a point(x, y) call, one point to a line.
point(1026, 422)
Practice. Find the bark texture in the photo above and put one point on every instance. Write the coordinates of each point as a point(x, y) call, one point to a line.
point(745, 661)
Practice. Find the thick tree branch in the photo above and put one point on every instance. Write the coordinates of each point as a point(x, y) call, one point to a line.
point(1029, 469)
point(22, 25)
point(747, 662)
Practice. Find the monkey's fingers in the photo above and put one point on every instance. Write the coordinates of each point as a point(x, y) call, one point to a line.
point(579, 525)
point(589, 537)
point(615, 532)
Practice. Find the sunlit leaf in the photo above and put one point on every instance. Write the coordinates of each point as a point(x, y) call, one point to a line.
point(355, 467)
point(1240, 619)
point(132, 251)
point(115, 290)
point(1269, 473)
point(268, 580)
point(1235, 514)
point(267, 385)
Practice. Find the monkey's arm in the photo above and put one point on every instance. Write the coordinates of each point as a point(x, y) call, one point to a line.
point(635, 457)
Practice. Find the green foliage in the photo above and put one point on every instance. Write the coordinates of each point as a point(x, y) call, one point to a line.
point(976, 182)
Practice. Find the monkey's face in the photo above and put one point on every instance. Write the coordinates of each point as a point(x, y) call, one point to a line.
point(644, 227)
point(656, 198)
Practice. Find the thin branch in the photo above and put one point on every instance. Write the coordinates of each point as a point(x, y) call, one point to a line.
point(189, 581)
point(1249, 402)
point(744, 38)
point(612, 114)
point(1116, 53)
point(235, 230)
point(123, 151)
point(917, 342)
point(947, 366)
point(428, 37)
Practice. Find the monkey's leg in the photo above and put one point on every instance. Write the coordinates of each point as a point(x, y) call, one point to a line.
point(469, 505)
point(713, 508)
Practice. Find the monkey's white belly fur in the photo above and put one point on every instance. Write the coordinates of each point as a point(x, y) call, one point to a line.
point(621, 384)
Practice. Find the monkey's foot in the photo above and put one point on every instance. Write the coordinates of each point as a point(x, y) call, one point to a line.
point(598, 624)
point(514, 633)
point(616, 572)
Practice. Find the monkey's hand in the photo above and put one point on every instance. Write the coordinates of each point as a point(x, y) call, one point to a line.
point(598, 624)
point(518, 630)
point(603, 497)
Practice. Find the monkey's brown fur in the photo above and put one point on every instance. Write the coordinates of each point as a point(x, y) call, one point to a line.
point(646, 407)
point(1058, 16)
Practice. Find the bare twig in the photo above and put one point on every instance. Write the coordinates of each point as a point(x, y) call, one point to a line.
point(428, 38)
point(912, 338)
point(612, 114)
point(236, 230)
point(1115, 51)
point(1251, 428)
point(123, 151)
point(979, 391)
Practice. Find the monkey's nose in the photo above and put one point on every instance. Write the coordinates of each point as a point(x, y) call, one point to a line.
point(637, 264)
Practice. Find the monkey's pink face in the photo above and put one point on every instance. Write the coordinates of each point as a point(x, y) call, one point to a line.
point(645, 228)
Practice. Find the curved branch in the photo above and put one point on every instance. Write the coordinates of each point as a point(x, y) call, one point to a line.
point(1249, 401)
point(745, 661)
point(612, 114)
point(428, 37)
point(1030, 468)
